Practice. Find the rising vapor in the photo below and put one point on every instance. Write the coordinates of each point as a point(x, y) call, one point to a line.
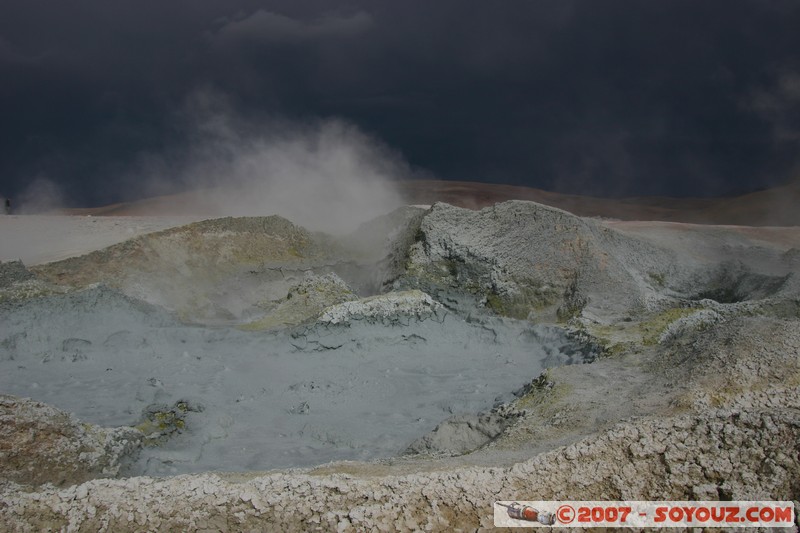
point(42, 195)
point(323, 174)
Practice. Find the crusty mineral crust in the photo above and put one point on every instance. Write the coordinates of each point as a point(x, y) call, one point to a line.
point(42, 444)
point(741, 454)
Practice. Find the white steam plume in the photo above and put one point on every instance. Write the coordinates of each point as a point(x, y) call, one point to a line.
point(40, 196)
point(324, 174)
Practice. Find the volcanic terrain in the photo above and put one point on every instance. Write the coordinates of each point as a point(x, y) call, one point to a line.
point(167, 368)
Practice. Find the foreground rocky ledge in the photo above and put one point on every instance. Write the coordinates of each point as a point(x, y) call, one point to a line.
point(681, 457)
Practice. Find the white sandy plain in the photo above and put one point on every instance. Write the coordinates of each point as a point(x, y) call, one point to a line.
point(36, 239)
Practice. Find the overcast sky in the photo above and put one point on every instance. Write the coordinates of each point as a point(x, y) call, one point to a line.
point(604, 97)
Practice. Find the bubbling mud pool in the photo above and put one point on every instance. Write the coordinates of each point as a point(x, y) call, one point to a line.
point(217, 398)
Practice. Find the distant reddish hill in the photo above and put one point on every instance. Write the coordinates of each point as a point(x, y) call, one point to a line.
point(778, 206)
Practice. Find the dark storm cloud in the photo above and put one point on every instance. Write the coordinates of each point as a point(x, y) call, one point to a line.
point(779, 104)
point(10, 56)
point(613, 97)
point(267, 27)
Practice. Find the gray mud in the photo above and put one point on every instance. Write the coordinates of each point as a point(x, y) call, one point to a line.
point(321, 392)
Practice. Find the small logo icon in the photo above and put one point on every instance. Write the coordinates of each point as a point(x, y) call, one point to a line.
point(527, 513)
point(565, 514)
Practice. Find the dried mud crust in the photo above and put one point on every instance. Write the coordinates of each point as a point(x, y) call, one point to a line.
point(41, 444)
point(728, 364)
point(734, 453)
point(12, 272)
